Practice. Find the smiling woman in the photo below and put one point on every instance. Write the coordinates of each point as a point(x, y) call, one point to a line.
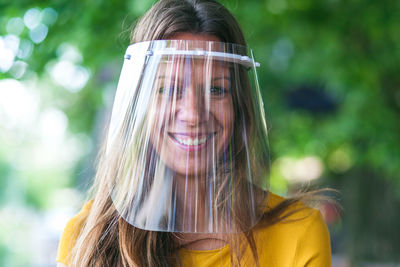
point(195, 108)
point(185, 130)
point(183, 176)
point(194, 112)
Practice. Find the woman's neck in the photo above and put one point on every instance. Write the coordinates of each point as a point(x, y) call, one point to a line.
point(192, 203)
point(191, 199)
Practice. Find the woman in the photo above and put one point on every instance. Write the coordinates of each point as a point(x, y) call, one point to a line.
point(182, 178)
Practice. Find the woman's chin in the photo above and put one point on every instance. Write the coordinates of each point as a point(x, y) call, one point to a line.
point(188, 171)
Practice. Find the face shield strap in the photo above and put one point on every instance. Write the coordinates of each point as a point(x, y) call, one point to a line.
point(228, 57)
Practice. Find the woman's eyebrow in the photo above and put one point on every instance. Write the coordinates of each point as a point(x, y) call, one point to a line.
point(164, 77)
point(222, 78)
point(173, 78)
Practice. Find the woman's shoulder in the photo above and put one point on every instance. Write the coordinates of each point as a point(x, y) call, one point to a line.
point(71, 233)
point(298, 218)
point(78, 220)
point(301, 238)
point(296, 211)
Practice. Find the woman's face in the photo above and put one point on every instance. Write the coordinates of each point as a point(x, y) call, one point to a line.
point(192, 117)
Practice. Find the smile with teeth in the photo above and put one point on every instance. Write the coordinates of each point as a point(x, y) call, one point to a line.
point(189, 141)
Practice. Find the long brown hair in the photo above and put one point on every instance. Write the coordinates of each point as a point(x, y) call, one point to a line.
point(108, 240)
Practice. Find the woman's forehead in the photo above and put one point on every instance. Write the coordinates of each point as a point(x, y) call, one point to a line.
point(171, 66)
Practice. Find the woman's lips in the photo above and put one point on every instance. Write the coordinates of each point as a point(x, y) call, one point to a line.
point(191, 141)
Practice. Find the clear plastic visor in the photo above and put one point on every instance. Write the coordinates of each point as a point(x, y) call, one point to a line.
point(186, 130)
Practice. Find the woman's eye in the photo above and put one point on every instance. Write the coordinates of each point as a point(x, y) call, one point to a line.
point(169, 91)
point(218, 91)
point(165, 91)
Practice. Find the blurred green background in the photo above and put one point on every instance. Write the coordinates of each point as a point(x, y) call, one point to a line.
point(331, 87)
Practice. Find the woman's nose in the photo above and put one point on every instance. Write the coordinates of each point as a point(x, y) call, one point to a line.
point(192, 107)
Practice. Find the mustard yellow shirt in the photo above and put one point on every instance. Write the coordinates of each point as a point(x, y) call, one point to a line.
point(300, 240)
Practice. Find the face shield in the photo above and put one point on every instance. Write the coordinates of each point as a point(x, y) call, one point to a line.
point(187, 144)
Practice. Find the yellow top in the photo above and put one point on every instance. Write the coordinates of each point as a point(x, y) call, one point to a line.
point(300, 240)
